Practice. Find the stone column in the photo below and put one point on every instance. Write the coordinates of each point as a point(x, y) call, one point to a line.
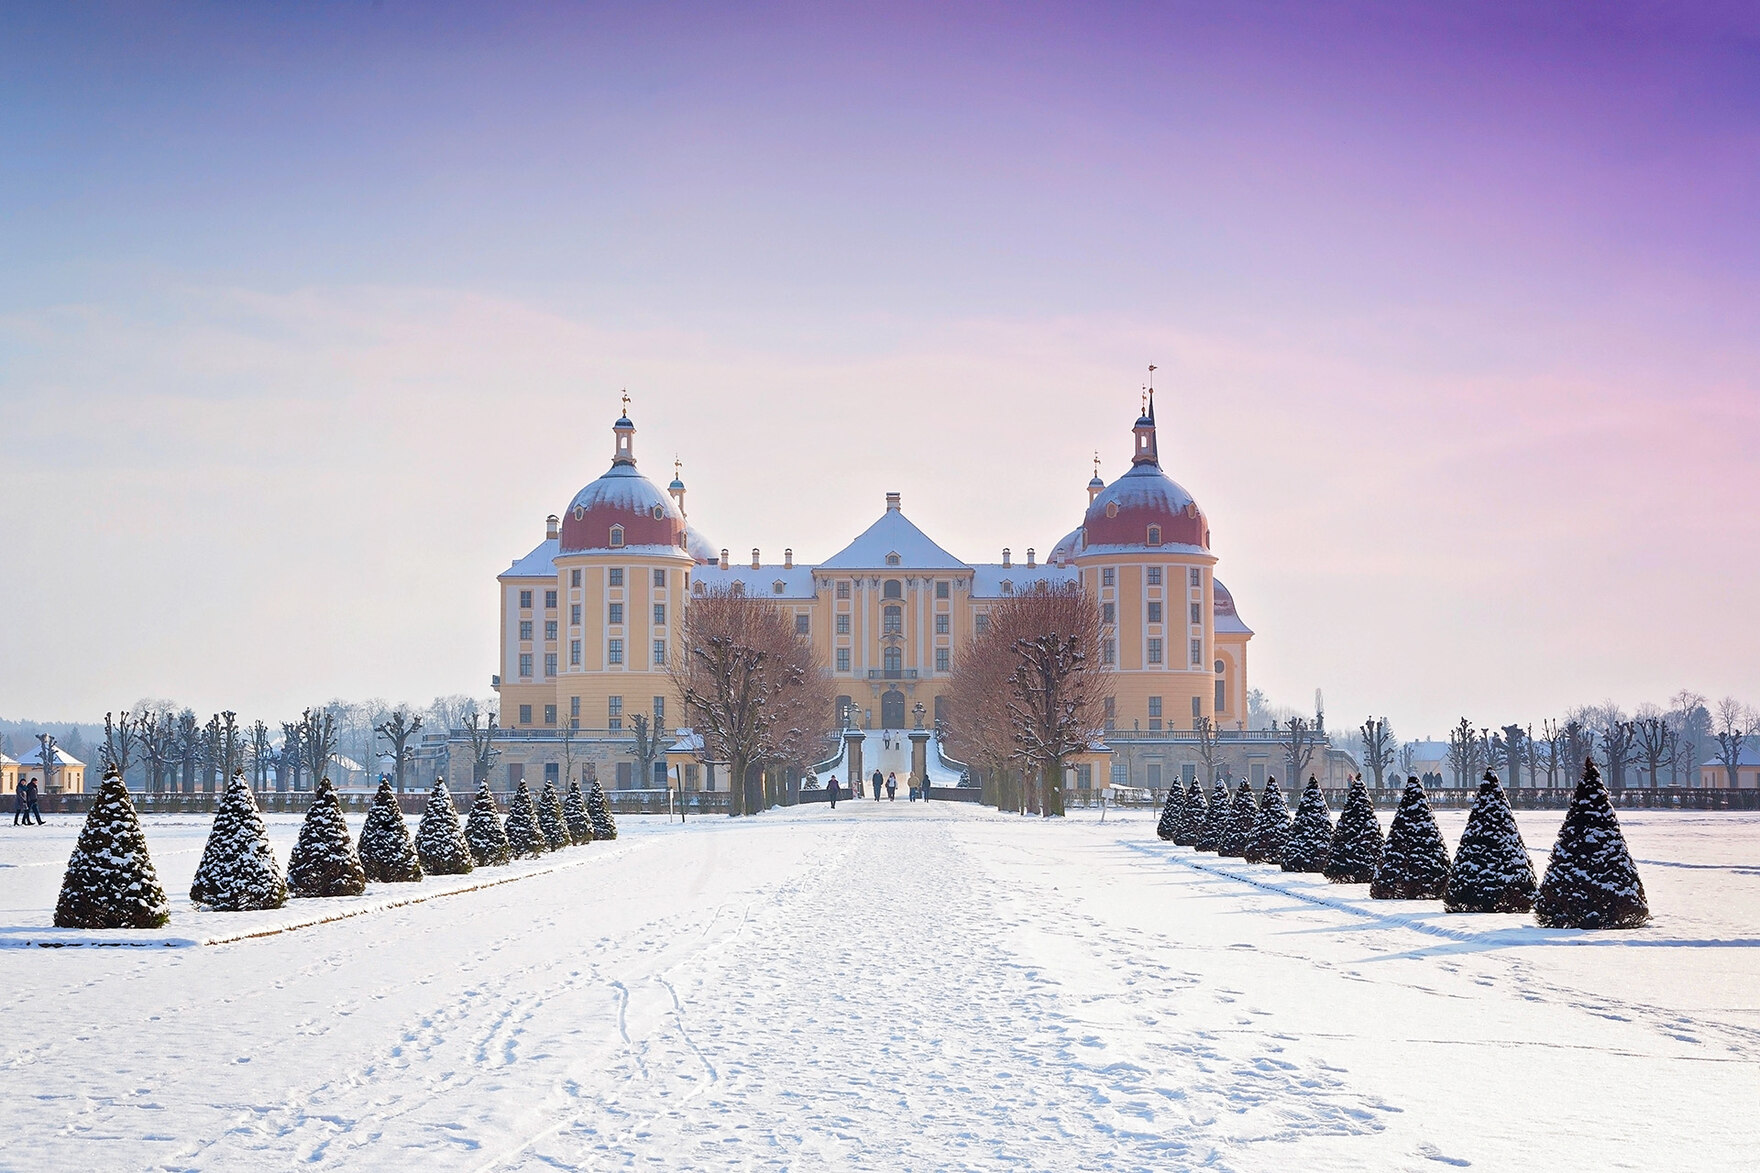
point(920, 757)
point(852, 740)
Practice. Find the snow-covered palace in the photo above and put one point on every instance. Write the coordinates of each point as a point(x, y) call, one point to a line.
point(589, 617)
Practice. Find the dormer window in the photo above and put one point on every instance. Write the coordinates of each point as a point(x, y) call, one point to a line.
point(617, 535)
point(777, 587)
point(659, 512)
point(1112, 509)
point(893, 559)
point(1154, 535)
point(1007, 587)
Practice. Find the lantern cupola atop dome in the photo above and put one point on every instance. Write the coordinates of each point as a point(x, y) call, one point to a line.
point(623, 509)
point(1144, 430)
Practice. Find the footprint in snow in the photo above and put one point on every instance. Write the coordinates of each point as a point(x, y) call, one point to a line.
point(1435, 1154)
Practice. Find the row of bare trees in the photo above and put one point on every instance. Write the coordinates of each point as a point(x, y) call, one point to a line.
point(1028, 694)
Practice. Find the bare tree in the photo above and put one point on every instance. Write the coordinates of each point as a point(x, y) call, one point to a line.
point(189, 749)
point(158, 745)
point(1579, 743)
point(567, 735)
point(291, 758)
point(1513, 739)
point(261, 756)
point(1692, 719)
point(1654, 740)
point(481, 731)
point(317, 741)
point(1300, 742)
point(1618, 743)
point(1735, 723)
point(120, 736)
point(1378, 743)
point(46, 747)
point(647, 748)
point(1209, 750)
point(231, 747)
point(976, 719)
point(1463, 751)
point(1531, 751)
point(398, 729)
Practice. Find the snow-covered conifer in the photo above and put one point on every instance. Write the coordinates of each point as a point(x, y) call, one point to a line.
point(238, 872)
point(1591, 881)
point(1216, 812)
point(110, 882)
point(1243, 816)
point(1356, 841)
point(1191, 816)
point(1310, 834)
point(439, 839)
point(524, 835)
point(1491, 870)
point(574, 814)
point(550, 818)
point(1271, 833)
point(604, 826)
point(324, 861)
point(1415, 864)
point(388, 856)
point(484, 833)
point(1170, 812)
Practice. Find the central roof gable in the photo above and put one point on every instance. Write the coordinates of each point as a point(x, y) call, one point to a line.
point(892, 534)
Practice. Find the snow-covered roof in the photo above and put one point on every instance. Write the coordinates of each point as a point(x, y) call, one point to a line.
point(987, 578)
point(622, 487)
point(1136, 549)
point(346, 762)
point(35, 757)
point(6, 761)
point(892, 534)
point(540, 563)
point(797, 581)
point(1749, 756)
point(1225, 619)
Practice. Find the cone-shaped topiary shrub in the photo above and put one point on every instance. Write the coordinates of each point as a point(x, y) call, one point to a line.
point(1356, 841)
point(524, 836)
point(238, 872)
point(388, 856)
point(1170, 812)
point(1243, 816)
point(1271, 832)
point(484, 833)
point(1209, 836)
point(1491, 872)
point(439, 839)
point(574, 815)
point(1310, 834)
point(1591, 881)
point(1191, 816)
point(604, 826)
point(550, 820)
point(110, 882)
point(1415, 864)
point(324, 861)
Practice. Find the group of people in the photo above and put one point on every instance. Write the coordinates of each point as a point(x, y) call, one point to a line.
point(24, 805)
point(878, 783)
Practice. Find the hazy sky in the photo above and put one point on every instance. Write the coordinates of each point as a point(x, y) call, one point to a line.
point(310, 313)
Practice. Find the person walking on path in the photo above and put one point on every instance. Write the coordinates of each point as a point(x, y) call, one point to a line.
point(892, 788)
point(18, 805)
point(923, 785)
point(831, 790)
point(30, 804)
point(878, 781)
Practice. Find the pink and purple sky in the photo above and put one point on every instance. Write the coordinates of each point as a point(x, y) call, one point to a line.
point(309, 315)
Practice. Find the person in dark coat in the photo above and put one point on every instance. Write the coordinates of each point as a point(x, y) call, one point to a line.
point(18, 805)
point(30, 804)
point(878, 781)
point(831, 790)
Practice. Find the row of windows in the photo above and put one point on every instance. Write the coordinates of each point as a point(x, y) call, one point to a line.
point(614, 654)
point(893, 589)
point(892, 660)
point(1153, 652)
point(614, 614)
point(525, 600)
point(1109, 575)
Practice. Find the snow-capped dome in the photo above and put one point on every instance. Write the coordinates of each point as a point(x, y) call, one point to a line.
point(700, 549)
point(1145, 508)
point(621, 509)
point(1067, 546)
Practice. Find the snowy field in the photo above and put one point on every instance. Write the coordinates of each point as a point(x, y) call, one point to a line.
point(890, 987)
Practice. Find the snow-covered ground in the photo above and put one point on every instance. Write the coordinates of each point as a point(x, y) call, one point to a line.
point(890, 986)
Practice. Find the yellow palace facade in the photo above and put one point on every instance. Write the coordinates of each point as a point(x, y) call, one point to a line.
point(591, 616)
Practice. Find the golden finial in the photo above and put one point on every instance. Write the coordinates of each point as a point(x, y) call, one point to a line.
point(1096, 462)
point(1151, 376)
point(626, 401)
point(1143, 402)
point(677, 464)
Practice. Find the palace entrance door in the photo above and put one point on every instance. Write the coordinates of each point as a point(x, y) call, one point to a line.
point(892, 709)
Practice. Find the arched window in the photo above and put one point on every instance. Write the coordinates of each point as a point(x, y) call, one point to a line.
point(893, 659)
point(892, 590)
point(892, 619)
point(1219, 668)
point(1154, 535)
point(617, 535)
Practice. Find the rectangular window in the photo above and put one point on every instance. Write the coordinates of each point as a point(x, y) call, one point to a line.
point(549, 714)
point(1154, 706)
point(516, 773)
point(659, 614)
point(1154, 724)
point(1221, 698)
point(981, 624)
point(1109, 613)
point(1154, 651)
point(525, 663)
point(941, 590)
point(1259, 775)
point(614, 712)
point(660, 579)
point(1154, 612)
point(1108, 651)
point(659, 713)
point(549, 629)
point(525, 600)
point(574, 653)
point(550, 600)
point(1154, 576)
point(614, 651)
point(1197, 652)
point(574, 577)
point(552, 771)
point(1197, 613)
point(659, 653)
point(626, 775)
point(574, 707)
point(843, 625)
point(525, 716)
point(1121, 774)
point(549, 663)
point(1111, 712)
point(1197, 577)
point(803, 624)
point(943, 624)
point(843, 659)
point(574, 614)
point(525, 629)
point(1108, 576)
point(843, 590)
point(614, 613)
point(1154, 775)
point(1188, 773)
point(942, 659)
point(1197, 708)
point(616, 576)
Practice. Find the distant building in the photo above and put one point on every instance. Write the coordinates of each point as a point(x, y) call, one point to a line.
point(1713, 775)
point(69, 772)
point(8, 775)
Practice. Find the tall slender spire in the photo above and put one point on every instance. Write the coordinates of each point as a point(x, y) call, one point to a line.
point(1145, 451)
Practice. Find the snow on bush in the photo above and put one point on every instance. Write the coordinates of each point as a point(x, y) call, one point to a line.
point(110, 882)
point(1216, 812)
point(550, 818)
point(1271, 832)
point(524, 836)
point(1191, 816)
point(483, 831)
point(1356, 841)
point(1415, 864)
point(1491, 870)
point(388, 856)
point(604, 826)
point(238, 872)
point(574, 815)
point(439, 839)
point(1170, 812)
point(324, 861)
point(1243, 816)
point(1310, 835)
point(1591, 881)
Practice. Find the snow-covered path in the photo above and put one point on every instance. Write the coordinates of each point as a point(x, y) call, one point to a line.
point(898, 987)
